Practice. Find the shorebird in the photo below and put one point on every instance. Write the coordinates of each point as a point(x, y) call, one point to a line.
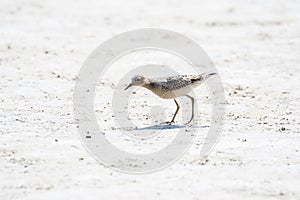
point(171, 87)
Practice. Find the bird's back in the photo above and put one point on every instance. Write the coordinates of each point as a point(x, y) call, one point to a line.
point(175, 86)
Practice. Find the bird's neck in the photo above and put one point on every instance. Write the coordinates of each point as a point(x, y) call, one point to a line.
point(148, 86)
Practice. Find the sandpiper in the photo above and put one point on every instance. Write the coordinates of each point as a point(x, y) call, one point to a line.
point(171, 87)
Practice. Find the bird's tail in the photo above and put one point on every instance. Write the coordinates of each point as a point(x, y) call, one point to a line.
point(208, 75)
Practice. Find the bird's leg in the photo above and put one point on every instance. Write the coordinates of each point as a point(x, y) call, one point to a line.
point(193, 100)
point(172, 121)
point(175, 111)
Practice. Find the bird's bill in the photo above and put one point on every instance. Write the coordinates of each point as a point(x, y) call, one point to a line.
point(128, 86)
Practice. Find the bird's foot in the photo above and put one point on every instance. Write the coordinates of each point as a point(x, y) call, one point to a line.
point(169, 123)
point(189, 121)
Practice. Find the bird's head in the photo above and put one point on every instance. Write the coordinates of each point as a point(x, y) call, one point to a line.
point(137, 80)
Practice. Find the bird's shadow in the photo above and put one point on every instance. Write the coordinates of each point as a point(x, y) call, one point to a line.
point(167, 126)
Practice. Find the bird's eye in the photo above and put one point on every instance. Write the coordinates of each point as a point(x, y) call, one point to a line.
point(138, 79)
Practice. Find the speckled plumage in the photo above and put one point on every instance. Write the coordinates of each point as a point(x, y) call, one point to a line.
point(171, 87)
point(174, 86)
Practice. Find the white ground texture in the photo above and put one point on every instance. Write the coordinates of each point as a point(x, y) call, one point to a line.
point(255, 46)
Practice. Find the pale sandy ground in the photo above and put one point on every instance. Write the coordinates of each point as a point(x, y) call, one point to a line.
point(255, 45)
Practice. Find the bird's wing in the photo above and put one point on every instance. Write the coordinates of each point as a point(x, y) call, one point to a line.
point(180, 81)
point(177, 82)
